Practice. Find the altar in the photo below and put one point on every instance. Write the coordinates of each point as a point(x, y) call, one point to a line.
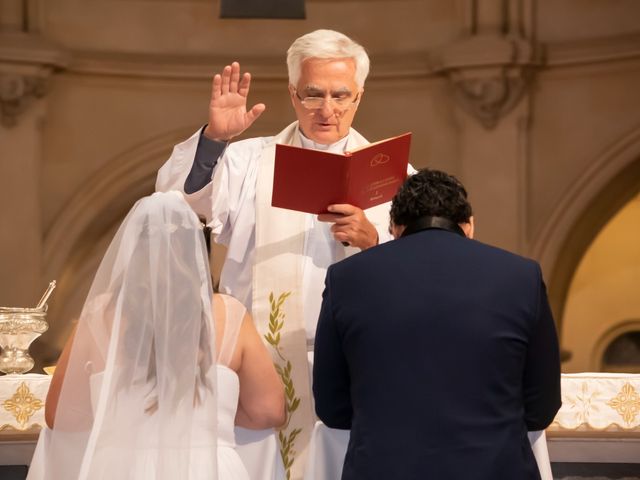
point(596, 433)
point(22, 399)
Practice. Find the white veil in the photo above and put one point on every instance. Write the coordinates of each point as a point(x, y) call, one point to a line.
point(143, 358)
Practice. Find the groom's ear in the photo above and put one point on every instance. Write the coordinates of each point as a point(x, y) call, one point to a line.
point(468, 227)
point(396, 230)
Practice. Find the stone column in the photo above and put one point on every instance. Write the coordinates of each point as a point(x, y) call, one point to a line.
point(21, 232)
point(26, 64)
point(490, 69)
point(12, 16)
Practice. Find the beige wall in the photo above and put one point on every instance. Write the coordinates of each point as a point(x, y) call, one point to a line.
point(534, 106)
point(604, 299)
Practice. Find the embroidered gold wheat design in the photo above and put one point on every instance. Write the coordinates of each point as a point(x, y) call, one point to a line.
point(284, 368)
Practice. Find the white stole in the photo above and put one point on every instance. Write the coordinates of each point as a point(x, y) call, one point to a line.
point(277, 305)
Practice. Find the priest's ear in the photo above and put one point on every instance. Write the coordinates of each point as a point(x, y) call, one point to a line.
point(360, 94)
point(468, 227)
point(292, 93)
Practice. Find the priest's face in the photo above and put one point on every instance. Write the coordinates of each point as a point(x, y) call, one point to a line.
point(326, 98)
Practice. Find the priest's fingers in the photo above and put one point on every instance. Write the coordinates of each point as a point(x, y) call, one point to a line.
point(254, 113)
point(354, 228)
point(362, 237)
point(226, 80)
point(330, 217)
point(339, 213)
point(234, 79)
point(245, 83)
point(343, 238)
point(344, 209)
point(216, 87)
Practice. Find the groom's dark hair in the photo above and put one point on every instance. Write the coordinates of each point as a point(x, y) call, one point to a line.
point(430, 193)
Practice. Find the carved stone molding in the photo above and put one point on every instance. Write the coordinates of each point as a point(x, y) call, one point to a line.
point(490, 73)
point(490, 93)
point(492, 64)
point(27, 61)
point(16, 92)
point(12, 15)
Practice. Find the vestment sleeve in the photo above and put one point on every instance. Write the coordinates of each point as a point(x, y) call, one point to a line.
point(207, 154)
point(173, 174)
point(213, 185)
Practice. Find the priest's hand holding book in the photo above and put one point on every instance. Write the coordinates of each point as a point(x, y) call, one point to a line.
point(350, 226)
point(339, 187)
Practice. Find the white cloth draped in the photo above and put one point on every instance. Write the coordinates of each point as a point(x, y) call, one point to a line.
point(270, 251)
point(146, 338)
point(258, 450)
point(229, 205)
point(329, 447)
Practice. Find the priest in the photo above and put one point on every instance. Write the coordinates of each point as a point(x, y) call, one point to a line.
point(277, 259)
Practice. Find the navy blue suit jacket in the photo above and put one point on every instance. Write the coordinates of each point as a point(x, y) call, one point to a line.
point(439, 353)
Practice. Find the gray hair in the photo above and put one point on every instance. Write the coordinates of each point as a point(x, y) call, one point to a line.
point(326, 44)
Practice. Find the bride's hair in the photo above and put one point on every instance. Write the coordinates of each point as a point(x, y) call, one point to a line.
point(144, 343)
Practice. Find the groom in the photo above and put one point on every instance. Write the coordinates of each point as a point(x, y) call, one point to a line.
point(437, 351)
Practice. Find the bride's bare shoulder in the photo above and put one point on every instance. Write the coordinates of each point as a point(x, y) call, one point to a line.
point(220, 300)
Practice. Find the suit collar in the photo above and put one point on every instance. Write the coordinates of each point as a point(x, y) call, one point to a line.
point(428, 222)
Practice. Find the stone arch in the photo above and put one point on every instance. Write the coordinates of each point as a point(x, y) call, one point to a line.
point(77, 240)
point(619, 329)
point(611, 180)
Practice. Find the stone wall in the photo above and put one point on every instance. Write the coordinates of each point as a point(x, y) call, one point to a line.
point(533, 104)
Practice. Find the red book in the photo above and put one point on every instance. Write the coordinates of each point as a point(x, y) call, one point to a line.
point(311, 180)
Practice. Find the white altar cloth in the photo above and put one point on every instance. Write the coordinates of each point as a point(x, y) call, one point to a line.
point(599, 421)
point(22, 400)
point(329, 446)
point(599, 402)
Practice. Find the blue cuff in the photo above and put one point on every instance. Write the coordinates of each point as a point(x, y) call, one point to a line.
point(207, 155)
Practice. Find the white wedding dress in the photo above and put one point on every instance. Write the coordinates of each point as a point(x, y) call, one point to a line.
point(145, 461)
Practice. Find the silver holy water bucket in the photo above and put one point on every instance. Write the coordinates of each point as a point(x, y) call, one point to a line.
point(19, 327)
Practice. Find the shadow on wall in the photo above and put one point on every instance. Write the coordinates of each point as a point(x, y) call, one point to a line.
point(75, 244)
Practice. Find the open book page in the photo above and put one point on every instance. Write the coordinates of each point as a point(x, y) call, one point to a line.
point(373, 144)
point(310, 180)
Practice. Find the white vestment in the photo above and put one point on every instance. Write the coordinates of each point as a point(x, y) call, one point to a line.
point(295, 251)
point(232, 215)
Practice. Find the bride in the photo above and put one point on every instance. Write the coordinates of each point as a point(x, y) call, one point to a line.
point(159, 369)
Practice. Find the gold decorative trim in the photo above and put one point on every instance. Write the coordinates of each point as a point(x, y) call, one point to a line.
point(22, 405)
point(585, 403)
point(626, 403)
point(9, 431)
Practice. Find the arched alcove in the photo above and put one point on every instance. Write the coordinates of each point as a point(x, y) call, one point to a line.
point(77, 240)
point(603, 292)
point(613, 197)
point(610, 182)
point(619, 349)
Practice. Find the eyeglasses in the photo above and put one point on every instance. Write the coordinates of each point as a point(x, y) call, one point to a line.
point(337, 103)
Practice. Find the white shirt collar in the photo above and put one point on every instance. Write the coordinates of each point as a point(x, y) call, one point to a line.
point(338, 146)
